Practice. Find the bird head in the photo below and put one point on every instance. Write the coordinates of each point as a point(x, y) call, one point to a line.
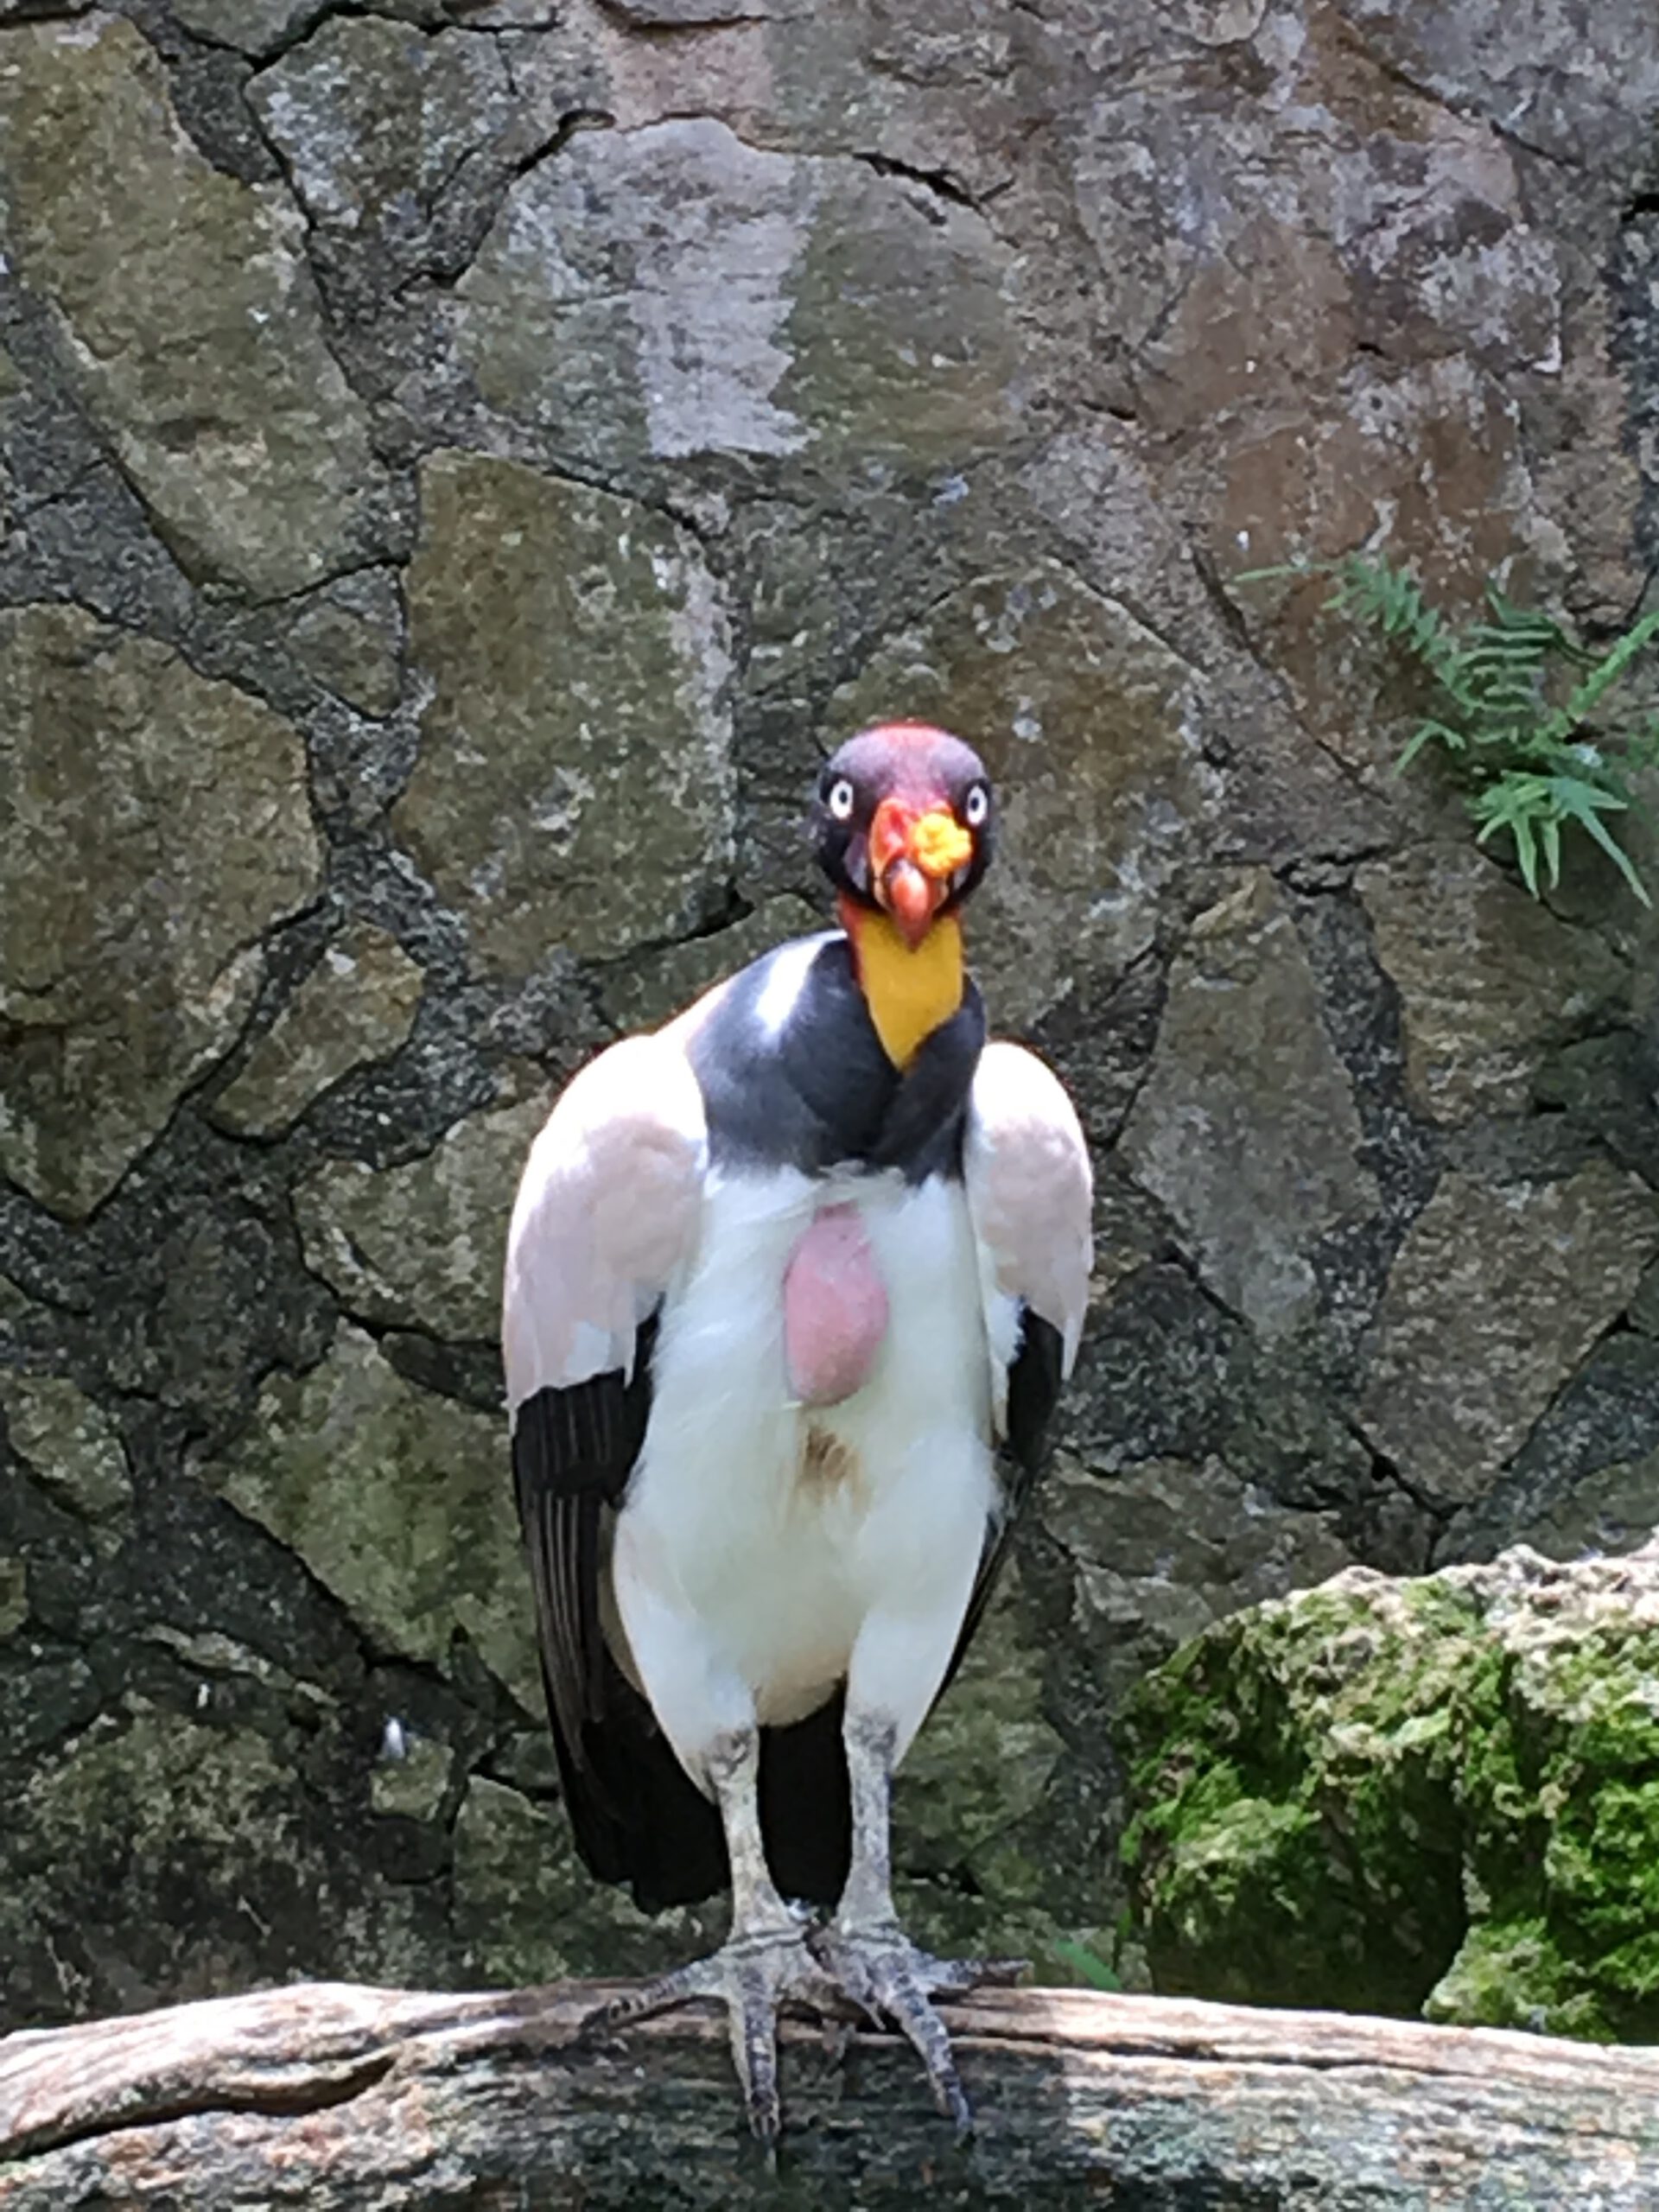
point(903, 822)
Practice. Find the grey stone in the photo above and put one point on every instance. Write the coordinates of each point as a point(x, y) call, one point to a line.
point(1437, 447)
point(399, 1502)
point(989, 1752)
point(689, 12)
point(1614, 1509)
point(527, 1762)
point(525, 1910)
point(12, 388)
point(1429, 225)
point(1087, 722)
point(251, 26)
point(162, 825)
point(661, 982)
point(670, 291)
point(14, 1594)
point(1496, 1295)
point(222, 1658)
point(1160, 1550)
point(349, 634)
point(424, 1244)
point(415, 1784)
point(69, 1442)
point(1488, 979)
point(377, 119)
point(358, 1004)
point(1578, 85)
point(1585, 1480)
point(187, 1804)
point(575, 786)
point(1384, 221)
point(1246, 1126)
point(188, 318)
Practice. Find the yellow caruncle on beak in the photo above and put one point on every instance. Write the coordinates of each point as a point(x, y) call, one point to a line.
point(939, 845)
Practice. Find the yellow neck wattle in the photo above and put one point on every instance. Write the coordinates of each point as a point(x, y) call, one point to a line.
point(909, 993)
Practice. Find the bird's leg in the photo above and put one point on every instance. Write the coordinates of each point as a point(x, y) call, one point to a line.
point(763, 1961)
point(868, 1954)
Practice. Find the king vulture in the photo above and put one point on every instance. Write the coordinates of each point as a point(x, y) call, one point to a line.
point(791, 1286)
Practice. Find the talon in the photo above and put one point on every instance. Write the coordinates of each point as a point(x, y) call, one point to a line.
point(679, 1987)
point(753, 1974)
point(886, 1976)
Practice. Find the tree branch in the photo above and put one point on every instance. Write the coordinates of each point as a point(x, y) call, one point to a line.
point(328, 2095)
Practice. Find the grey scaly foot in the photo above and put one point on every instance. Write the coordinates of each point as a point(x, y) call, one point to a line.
point(751, 1975)
point(885, 1974)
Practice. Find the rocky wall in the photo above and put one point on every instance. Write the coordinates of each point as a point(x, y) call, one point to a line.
point(459, 463)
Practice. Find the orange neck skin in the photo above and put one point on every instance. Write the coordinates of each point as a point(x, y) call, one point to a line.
point(909, 993)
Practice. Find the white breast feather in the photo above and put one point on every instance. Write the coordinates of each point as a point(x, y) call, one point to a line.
point(735, 1578)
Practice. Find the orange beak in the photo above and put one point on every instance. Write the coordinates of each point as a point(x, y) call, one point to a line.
point(913, 855)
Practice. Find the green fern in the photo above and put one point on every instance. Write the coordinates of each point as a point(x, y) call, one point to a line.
point(1091, 1969)
point(1533, 760)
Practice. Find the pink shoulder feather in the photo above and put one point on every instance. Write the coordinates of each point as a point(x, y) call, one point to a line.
point(1030, 1189)
point(608, 1209)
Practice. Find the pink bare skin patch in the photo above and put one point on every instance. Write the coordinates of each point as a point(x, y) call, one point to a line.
point(835, 1309)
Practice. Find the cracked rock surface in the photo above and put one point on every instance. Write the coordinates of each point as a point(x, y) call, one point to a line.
point(459, 465)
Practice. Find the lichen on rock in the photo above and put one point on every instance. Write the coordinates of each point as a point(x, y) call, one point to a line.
point(188, 316)
point(358, 1004)
point(398, 1501)
point(574, 787)
point(71, 1446)
point(1252, 1190)
point(159, 825)
point(1431, 1795)
point(424, 1244)
point(14, 1593)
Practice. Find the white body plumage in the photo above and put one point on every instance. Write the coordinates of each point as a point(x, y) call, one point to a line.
point(767, 1551)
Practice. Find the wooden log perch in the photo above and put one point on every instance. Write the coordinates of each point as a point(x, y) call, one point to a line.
point(329, 2096)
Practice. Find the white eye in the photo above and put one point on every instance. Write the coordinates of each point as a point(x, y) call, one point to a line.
point(977, 807)
point(840, 799)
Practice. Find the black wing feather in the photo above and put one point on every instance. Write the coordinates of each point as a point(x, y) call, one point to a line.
point(1035, 1376)
point(636, 1817)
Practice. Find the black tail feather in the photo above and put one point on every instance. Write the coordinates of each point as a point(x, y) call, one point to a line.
point(639, 1820)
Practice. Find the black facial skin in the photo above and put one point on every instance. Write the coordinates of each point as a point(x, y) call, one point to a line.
point(927, 765)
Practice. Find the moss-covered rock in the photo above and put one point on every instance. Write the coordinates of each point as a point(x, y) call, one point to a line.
point(1434, 1796)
